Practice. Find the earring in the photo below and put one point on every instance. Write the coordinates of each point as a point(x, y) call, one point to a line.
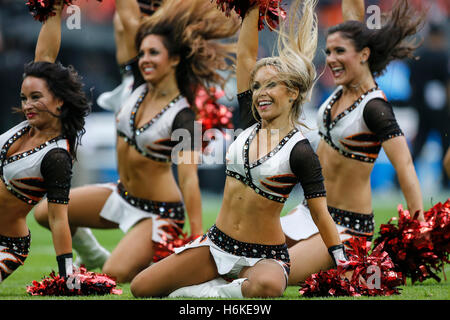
point(363, 61)
point(58, 108)
point(291, 100)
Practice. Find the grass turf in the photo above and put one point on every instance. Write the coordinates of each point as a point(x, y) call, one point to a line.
point(41, 261)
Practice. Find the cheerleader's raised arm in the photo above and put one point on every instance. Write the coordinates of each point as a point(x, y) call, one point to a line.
point(37, 154)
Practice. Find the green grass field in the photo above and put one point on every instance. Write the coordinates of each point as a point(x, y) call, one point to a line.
point(41, 261)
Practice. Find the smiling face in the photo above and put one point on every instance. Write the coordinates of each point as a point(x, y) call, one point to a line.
point(39, 103)
point(155, 62)
point(344, 61)
point(271, 97)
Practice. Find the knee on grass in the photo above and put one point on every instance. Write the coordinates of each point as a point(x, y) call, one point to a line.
point(119, 274)
point(263, 287)
point(140, 289)
point(137, 290)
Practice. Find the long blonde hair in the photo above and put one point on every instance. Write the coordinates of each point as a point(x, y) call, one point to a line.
point(190, 29)
point(296, 45)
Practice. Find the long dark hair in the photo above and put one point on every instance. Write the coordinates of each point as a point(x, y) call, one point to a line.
point(188, 29)
point(65, 84)
point(389, 42)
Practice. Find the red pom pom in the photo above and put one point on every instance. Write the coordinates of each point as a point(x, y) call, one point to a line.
point(80, 283)
point(270, 11)
point(41, 10)
point(177, 239)
point(419, 249)
point(211, 114)
point(373, 274)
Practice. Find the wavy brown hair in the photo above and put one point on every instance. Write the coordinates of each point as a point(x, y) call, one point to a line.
point(190, 30)
point(66, 84)
point(392, 41)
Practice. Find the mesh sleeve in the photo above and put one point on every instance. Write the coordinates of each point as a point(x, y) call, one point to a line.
point(56, 168)
point(380, 119)
point(305, 164)
point(185, 119)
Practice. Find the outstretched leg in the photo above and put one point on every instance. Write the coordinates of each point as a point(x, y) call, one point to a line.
point(84, 210)
point(190, 267)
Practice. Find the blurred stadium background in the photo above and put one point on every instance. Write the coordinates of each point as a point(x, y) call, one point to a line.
point(91, 50)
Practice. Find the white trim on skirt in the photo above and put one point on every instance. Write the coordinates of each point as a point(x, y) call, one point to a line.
point(117, 210)
point(227, 264)
point(299, 225)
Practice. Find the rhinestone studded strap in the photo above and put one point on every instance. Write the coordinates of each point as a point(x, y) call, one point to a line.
point(358, 223)
point(327, 114)
point(171, 210)
point(249, 250)
point(20, 245)
point(4, 160)
point(329, 124)
point(137, 131)
point(247, 179)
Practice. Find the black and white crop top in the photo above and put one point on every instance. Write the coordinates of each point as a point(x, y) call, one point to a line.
point(358, 131)
point(274, 176)
point(153, 139)
point(43, 170)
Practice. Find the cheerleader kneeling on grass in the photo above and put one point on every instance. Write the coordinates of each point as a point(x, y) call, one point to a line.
point(354, 123)
point(178, 52)
point(247, 243)
point(36, 155)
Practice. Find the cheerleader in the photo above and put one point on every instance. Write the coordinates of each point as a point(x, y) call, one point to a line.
point(354, 123)
point(247, 244)
point(89, 252)
point(177, 56)
point(128, 66)
point(37, 154)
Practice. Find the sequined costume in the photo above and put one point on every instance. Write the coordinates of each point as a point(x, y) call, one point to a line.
point(13, 252)
point(299, 225)
point(153, 141)
point(231, 255)
point(273, 177)
point(126, 210)
point(356, 133)
point(45, 170)
point(359, 130)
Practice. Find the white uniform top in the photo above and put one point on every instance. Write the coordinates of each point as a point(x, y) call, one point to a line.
point(153, 139)
point(271, 176)
point(21, 173)
point(348, 133)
